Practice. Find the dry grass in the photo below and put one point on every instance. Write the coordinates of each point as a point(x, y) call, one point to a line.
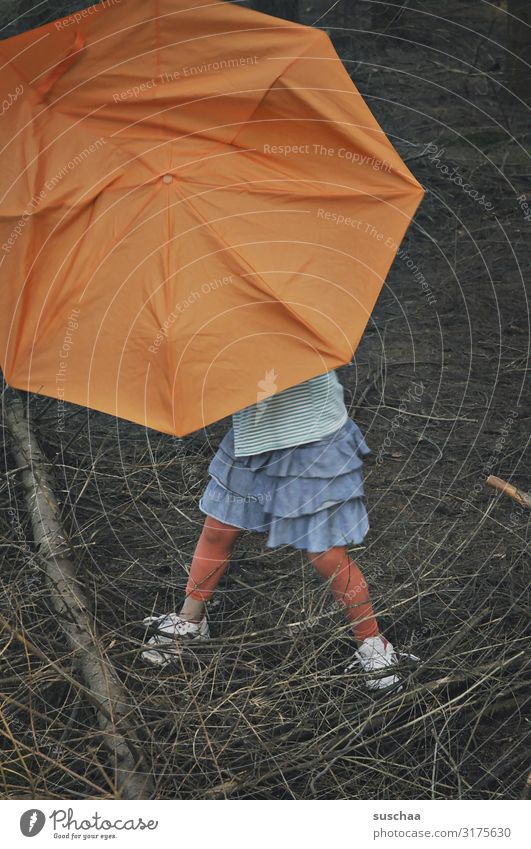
point(264, 709)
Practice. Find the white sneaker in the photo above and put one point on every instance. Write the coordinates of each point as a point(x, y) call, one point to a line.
point(374, 656)
point(171, 630)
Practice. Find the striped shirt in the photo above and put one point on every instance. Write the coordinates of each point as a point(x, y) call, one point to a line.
point(299, 414)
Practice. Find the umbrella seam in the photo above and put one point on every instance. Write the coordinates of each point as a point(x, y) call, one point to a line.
point(246, 262)
point(273, 81)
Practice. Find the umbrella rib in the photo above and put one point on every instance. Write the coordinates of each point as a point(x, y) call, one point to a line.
point(255, 187)
point(245, 263)
point(270, 86)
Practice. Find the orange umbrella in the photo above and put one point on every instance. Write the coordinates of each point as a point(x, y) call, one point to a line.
point(196, 204)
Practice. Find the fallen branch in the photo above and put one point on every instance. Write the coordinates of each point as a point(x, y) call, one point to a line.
point(103, 686)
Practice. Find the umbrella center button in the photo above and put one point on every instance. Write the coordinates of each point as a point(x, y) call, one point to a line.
point(167, 178)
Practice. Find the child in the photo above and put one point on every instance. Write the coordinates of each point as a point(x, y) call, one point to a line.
point(291, 466)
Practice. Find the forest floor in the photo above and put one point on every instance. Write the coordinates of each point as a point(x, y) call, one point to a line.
point(438, 387)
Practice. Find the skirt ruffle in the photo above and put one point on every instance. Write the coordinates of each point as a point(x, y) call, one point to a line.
point(310, 496)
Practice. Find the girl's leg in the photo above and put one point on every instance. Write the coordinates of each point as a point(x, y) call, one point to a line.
point(349, 589)
point(209, 563)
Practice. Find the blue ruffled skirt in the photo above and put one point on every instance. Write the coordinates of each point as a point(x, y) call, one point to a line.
point(309, 496)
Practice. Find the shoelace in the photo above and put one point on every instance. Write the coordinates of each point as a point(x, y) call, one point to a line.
point(178, 627)
point(172, 619)
point(399, 655)
point(150, 620)
point(377, 661)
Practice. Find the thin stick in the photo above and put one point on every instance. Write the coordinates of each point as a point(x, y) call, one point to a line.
point(517, 495)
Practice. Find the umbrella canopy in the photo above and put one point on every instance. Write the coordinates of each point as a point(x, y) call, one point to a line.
point(198, 209)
